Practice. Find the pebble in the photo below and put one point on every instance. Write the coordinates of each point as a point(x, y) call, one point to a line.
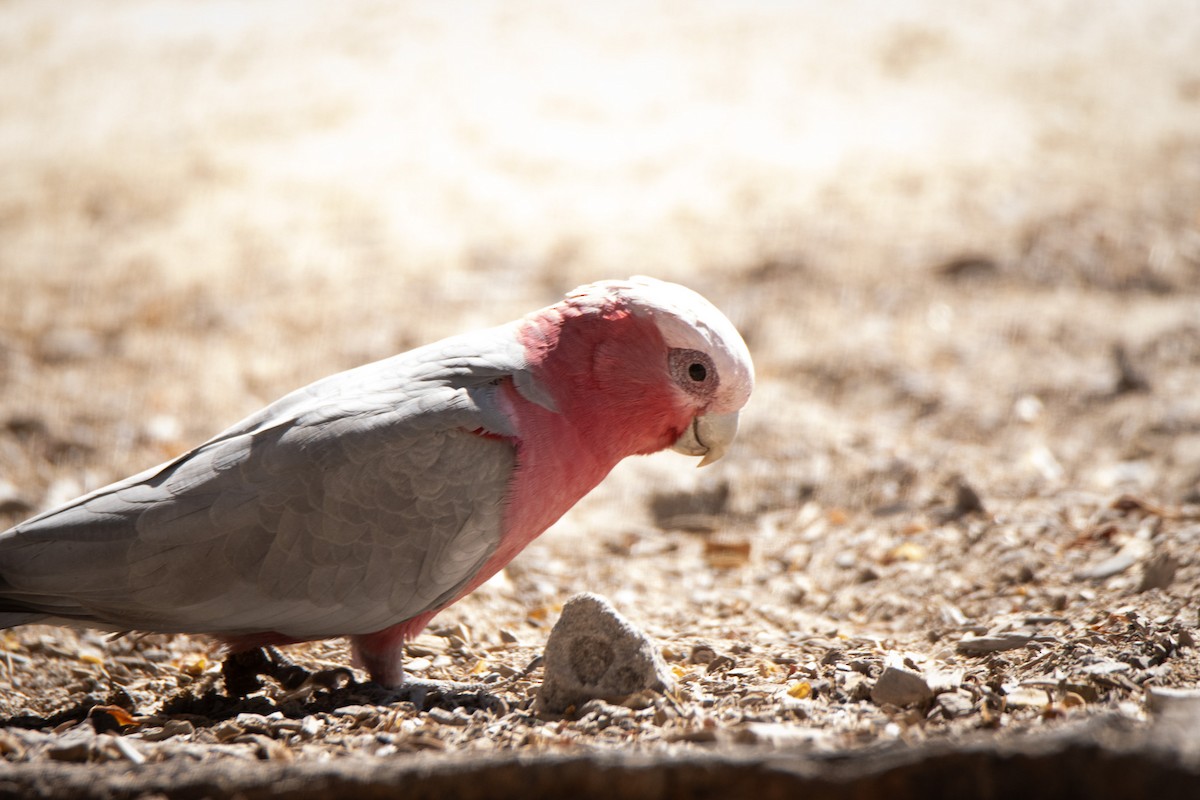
point(419, 664)
point(226, 730)
point(75, 745)
point(358, 713)
point(127, 749)
point(178, 727)
point(169, 729)
point(854, 685)
point(955, 704)
point(595, 653)
point(426, 644)
point(1108, 567)
point(1027, 697)
point(252, 723)
point(1133, 552)
point(1162, 700)
point(900, 687)
point(457, 717)
point(979, 645)
point(1107, 667)
point(1159, 572)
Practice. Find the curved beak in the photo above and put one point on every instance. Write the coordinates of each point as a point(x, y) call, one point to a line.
point(709, 435)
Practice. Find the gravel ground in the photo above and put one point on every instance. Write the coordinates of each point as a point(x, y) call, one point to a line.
point(962, 241)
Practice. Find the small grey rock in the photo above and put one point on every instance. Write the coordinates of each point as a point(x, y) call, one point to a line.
point(594, 653)
point(75, 745)
point(252, 723)
point(981, 645)
point(1159, 572)
point(1162, 700)
point(227, 731)
point(127, 750)
point(177, 727)
point(1108, 567)
point(955, 704)
point(899, 687)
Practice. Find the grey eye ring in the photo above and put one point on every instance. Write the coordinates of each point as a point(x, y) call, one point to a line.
point(693, 370)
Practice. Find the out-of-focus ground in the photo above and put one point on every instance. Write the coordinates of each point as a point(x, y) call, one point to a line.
point(962, 241)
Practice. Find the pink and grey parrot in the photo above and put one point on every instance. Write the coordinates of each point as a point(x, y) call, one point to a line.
point(367, 502)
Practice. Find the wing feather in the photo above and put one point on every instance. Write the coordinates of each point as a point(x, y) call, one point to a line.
point(347, 506)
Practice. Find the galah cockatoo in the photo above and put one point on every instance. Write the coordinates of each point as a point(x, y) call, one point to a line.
point(367, 502)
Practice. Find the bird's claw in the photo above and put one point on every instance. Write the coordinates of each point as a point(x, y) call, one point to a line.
point(242, 670)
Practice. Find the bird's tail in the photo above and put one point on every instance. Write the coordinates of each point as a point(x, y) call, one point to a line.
point(10, 619)
point(14, 612)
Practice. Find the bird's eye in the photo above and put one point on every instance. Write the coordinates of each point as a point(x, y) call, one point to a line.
point(693, 370)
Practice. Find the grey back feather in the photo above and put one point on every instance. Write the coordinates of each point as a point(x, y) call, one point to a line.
point(348, 506)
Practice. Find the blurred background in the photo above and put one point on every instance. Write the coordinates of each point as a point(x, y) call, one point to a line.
point(962, 239)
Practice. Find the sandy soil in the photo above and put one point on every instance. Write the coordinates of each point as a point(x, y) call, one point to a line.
point(962, 241)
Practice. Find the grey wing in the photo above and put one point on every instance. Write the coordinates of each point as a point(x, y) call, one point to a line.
point(358, 509)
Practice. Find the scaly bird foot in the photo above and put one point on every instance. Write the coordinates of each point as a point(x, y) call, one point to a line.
point(242, 670)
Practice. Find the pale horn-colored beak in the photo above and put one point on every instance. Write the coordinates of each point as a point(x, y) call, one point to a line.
point(709, 435)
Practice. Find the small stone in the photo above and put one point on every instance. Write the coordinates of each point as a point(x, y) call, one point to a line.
point(900, 687)
point(1161, 700)
point(253, 723)
point(854, 686)
point(417, 665)
point(425, 644)
point(357, 713)
point(177, 727)
point(1135, 550)
point(226, 730)
point(697, 510)
point(1027, 697)
point(955, 704)
point(980, 645)
point(456, 717)
point(75, 745)
point(1108, 567)
point(128, 750)
point(968, 267)
point(1107, 667)
point(595, 653)
point(1159, 572)
point(1129, 377)
point(311, 726)
point(702, 653)
point(966, 501)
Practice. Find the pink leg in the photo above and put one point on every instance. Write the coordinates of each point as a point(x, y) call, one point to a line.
point(381, 653)
point(383, 660)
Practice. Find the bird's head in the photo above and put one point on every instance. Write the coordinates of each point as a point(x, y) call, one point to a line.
point(655, 361)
